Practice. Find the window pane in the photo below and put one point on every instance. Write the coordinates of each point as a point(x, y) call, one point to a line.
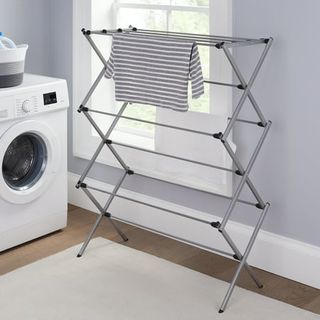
point(196, 3)
point(142, 18)
point(186, 21)
point(163, 2)
point(139, 111)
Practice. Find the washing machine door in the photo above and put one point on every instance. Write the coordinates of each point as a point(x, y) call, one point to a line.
point(30, 156)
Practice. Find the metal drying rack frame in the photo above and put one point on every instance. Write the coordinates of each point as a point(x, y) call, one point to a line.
point(221, 43)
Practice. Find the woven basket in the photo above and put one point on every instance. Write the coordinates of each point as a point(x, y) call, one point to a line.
point(12, 66)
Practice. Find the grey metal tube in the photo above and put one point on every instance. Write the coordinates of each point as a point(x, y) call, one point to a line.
point(113, 194)
point(198, 34)
point(93, 229)
point(117, 156)
point(222, 83)
point(97, 204)
point(92, 161)
point(244, 177)
point(118, 116)
point(239, 256)
point(201, 39)
point(247, 91)
point(153, 123)
point(103, 211)
point(102, 143)
point(256, 71)
point(244, 258)
point(244, 43)
point(221, 38)
point(109, 32)
point(93, 87)
point(245, 121)
point(193, 188)
point(207, 248)
point(165, 125)
point(171, 156)
point(248, 180)
point(100, 133)
point(97, 51)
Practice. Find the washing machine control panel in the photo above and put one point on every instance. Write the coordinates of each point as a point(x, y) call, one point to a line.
point(38, 96)
point(26, 105)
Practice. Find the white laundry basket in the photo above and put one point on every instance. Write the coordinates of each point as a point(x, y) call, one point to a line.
point(12, 62)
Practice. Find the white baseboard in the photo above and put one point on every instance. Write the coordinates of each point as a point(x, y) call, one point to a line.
point(286, 257)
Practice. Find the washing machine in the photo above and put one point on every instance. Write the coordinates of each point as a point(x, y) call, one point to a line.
point(33, 159)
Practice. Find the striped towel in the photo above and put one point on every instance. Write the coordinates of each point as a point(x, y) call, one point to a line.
point(155, 70)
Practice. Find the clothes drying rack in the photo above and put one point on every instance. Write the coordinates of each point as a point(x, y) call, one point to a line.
point(226, 44)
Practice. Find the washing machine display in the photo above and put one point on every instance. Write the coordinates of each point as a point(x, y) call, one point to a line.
point(24, 161)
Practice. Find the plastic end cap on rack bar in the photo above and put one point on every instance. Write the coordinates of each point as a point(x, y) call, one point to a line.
point(218, 136)
point(83, 30)
point(81, 185)
point(130, 172)
point(216, 224)
point(219, 45)
point(239, 173)
point(107, 214)
point(241, 87)
point(261, 124)
point(82, 108)
point(259, 206)
point(119, 30)
point(108, 141)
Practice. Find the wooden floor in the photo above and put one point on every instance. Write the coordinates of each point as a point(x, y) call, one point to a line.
point(80, 222)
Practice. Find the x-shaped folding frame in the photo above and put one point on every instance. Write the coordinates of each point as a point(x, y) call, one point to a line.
point(224, 43)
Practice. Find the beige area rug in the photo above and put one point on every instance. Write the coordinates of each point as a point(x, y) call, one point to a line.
point(113, 282)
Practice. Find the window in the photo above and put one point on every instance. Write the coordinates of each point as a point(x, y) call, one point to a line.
point(208, 112)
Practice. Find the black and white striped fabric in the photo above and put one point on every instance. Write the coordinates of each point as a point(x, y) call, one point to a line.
point(155, 70)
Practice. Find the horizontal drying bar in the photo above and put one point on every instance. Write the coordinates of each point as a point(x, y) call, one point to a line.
point(203, 40)
point(169, 156)
point(151, 122)
point(162, 124)
point(84, 185)
point(146, 204)
point(193, 188)
point(238, 86)
point(113, 194)
point(207, 248)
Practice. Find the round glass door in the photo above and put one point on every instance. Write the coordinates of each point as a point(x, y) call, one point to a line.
point(24, 161)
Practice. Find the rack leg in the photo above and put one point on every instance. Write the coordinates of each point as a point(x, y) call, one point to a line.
point(245, 176)
point(242, 80)
point(239, 256)
point(121, 234)
point(102, 211)
point(94, 86)
point(102, 214)
point(244, 259)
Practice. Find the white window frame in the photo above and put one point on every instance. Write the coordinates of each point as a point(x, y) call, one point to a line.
point(84, 143)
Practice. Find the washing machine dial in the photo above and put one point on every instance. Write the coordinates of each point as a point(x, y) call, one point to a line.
point(26, 106)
